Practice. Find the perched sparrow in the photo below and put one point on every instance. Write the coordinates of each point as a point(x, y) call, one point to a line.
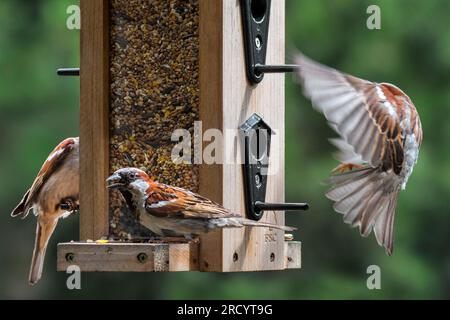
point(173, 212)
point(380, 139)
point(54, 194)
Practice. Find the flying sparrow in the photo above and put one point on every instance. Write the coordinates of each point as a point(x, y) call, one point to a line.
point(380, 137)
point(175, 212)
point(54, 194)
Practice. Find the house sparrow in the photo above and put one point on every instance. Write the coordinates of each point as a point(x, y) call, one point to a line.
point(54, 194)
point(380, 137)
point(175, 212)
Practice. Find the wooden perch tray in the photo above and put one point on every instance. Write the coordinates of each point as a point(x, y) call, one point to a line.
point(145, 257)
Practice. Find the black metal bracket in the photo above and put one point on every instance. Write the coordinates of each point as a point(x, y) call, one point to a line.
point(255, 17)
point(256, 22)
point(68, 72)
point(257, 138)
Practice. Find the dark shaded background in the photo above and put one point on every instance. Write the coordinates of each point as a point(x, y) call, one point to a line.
point(38, 109)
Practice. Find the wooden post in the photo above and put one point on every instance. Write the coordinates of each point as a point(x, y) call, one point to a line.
point(227, 99)
point(94, 109)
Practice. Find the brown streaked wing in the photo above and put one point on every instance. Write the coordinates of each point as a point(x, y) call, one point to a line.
point(50, 166)
point(167, 201)
point(356, 111)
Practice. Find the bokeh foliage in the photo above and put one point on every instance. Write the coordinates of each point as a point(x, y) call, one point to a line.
point(412, 50)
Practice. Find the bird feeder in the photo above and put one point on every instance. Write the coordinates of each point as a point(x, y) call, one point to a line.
point(151, 67)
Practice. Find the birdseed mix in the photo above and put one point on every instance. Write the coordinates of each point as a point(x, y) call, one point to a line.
point(154, 51)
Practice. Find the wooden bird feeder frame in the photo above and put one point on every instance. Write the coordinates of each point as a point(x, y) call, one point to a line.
point(226, 100)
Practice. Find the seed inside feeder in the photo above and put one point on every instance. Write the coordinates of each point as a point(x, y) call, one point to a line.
point(154, 50)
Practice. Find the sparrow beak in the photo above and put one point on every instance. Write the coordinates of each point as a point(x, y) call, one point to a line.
point(114, 181)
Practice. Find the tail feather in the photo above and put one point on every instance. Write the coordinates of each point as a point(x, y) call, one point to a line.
point(44, 231)
point(372, 210)
point(350, 194)
point(21, 209)
point(384, 226)
point(251, 223)
point(350, 216)
point(356, 175)
point(367, 200)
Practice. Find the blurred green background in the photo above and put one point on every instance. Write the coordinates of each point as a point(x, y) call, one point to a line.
point(412, 50)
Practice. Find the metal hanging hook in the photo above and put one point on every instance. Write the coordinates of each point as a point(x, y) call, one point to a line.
point(257, 138)
point(256, 21)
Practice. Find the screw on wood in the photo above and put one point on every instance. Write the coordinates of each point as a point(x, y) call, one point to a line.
point(70, 257)
point(142, 257)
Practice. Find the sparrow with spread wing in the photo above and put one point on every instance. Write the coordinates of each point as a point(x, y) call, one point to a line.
point(380, 137)
point(54, 194)
point(173, 212)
